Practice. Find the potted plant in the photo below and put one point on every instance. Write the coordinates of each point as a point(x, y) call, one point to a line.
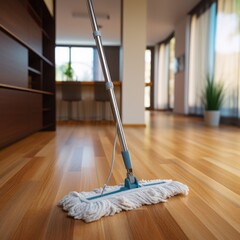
point(68, 72)
point(212, 97)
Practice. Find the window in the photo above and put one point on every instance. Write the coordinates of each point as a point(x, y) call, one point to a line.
point(227, 63)
point(84, 62)
point(171, 76)
point(201, 59)
point(164, 91)
point(147, 96)
point(62, 58)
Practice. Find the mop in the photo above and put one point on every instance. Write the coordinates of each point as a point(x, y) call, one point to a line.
point(109, 200)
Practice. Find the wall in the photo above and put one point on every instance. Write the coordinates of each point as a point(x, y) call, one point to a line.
point(112, 57)
point(181, 78)
point(133, 61)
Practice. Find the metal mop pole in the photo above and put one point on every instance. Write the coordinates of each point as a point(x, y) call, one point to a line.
point(109, 88)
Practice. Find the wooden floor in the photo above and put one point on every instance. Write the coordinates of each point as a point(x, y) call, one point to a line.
point(37, 172)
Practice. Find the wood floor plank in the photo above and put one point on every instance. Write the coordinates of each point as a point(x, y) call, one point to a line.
point(165, 223)
point(13, 212)
point(194, 228)
point(36, 172)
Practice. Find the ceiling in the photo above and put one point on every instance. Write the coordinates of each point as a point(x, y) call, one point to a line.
point(73, 24)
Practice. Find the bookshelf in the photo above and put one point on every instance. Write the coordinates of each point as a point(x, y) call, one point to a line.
point(27, 82)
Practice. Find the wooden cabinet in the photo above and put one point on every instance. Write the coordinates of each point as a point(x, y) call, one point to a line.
point(13, 62)
point(27, 79)
point(20, 114)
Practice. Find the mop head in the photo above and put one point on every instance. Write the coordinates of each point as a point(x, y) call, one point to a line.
point(150, 192)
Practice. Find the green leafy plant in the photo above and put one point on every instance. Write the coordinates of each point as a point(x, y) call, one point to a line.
point(213, 95)
point(69, 71)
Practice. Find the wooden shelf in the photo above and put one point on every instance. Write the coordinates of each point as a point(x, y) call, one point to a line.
point(25, 89)
point(86, 83)
point(22, 42)
point(33, 70)
point(27, 81)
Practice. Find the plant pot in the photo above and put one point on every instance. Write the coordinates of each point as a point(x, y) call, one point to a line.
point(212, 118)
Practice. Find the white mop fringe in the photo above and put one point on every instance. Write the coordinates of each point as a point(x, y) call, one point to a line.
point(79, 207)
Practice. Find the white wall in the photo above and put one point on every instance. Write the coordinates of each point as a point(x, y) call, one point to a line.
point(133, 61)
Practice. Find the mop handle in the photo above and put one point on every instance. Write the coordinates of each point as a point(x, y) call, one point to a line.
point(109, 88)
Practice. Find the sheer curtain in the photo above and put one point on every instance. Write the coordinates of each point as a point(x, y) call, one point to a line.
point(201, 60)
point(161, 89)
point(227, 63)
